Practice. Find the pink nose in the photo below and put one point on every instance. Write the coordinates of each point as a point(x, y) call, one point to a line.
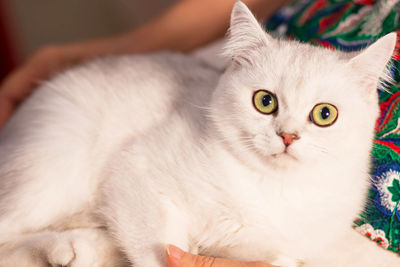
point(288, 138)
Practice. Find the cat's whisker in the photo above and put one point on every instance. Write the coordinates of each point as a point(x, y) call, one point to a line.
point(214, 117)
point(246, 141)
point(319, 148)
point(207, 108)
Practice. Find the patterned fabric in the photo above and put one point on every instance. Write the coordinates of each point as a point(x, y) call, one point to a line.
point(352, 25)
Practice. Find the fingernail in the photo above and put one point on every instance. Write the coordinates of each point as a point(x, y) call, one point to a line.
point(175, 252)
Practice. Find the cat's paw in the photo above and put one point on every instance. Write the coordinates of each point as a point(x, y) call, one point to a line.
point(61, 254)
point(41, 249)
point(284, 261)
point(74, 249)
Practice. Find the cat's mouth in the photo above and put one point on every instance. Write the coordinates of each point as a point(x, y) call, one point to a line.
point(285, 154)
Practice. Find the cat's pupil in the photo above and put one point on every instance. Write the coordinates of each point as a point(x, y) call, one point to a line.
point(267, 100)
point(325, 113)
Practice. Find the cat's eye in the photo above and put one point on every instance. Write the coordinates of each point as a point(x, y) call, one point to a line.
point(324, 114)
point(265, 102)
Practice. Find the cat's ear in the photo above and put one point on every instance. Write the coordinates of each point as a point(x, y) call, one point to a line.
point(370, 64)
point(245, 35)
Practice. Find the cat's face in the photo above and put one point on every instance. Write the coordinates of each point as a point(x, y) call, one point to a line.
point(283, 102)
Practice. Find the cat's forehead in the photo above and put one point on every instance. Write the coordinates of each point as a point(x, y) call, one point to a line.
point(299, 74)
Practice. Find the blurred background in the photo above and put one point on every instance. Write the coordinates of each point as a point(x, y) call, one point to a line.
point(26, 25)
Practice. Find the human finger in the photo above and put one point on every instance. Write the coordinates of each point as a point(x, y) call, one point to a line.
point(178, 258)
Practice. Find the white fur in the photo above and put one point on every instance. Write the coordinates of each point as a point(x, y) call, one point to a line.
point(131, 153)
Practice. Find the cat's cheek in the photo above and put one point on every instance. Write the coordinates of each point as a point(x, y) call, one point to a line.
point(301, 153)
point(268, 145)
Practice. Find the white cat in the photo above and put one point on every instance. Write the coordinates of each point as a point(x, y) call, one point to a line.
point(109, 162)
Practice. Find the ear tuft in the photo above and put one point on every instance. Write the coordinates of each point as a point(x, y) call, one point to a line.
point(371, 63)
point(245, 35)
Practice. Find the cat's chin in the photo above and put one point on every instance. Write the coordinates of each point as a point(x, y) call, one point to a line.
point(283, 157)
point(280, 158)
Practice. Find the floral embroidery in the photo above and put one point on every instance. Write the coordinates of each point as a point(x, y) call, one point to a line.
point(388, 186)
point(375, 235)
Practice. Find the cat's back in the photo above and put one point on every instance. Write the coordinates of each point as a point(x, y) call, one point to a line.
point(127, 93)
point(67, 130)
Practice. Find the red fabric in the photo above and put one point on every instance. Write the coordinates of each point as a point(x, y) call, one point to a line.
point(7, 59)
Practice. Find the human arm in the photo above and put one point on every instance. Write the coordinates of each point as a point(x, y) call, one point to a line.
point(178, 258)
point(183, 27)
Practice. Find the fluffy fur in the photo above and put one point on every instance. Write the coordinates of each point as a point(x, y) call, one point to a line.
point(107, 163)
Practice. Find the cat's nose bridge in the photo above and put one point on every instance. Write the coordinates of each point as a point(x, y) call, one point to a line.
point(288, 124)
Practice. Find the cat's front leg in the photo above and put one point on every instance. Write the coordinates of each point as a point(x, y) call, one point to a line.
point(91, 247)
point(145, 242)
point(86, 247)
point(143, 208)
point(354, 250)
point(285, 261)
point(143, 228)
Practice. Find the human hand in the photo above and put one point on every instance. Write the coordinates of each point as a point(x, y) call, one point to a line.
point(20, 83)
point(183, 27)
point(178, 258)
point(51, 59)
